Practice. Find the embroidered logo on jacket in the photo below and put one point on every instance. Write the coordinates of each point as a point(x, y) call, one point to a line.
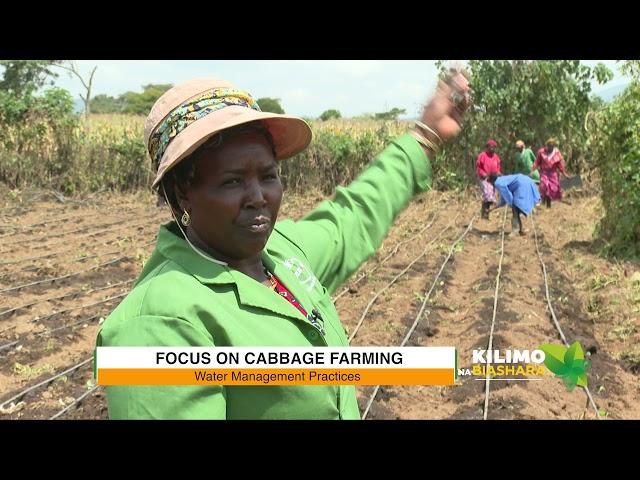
point(300, 271)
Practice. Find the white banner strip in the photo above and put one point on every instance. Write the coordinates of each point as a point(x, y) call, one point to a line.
point(276, 357)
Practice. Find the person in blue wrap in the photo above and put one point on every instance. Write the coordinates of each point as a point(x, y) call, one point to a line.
point(519, 192)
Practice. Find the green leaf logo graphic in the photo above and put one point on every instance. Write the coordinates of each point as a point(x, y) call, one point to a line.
point(568, 364)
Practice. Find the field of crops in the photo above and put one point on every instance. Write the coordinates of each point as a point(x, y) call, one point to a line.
point(106, 152)
point(441, 277)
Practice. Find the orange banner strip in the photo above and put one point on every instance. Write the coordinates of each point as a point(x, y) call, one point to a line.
point(230, 376)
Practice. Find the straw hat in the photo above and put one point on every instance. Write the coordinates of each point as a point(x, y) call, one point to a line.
point(187, 115)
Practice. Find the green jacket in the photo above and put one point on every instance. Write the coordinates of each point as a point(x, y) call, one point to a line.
point(523, 161)
point(180, 299)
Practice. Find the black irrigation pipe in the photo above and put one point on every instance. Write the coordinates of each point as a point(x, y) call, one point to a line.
point(21, 210)
point(46, 382)
point(74, 248)
point(89, 234)
point(68, 232)
point(51, 330)
point(22, 229)
point(69, 275)
point(106, 300)
point(424, 303)
point(75, 402)
point(70, 294)
point(553, 313)
point(493, 320)
point(406, 269)
point(383, 261)
point(84, 259)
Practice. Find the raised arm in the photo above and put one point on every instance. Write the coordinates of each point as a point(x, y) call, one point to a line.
point(340, 234)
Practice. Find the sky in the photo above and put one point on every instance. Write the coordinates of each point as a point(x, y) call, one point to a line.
point(306, 87)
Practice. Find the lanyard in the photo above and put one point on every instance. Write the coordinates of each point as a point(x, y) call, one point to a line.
point(314, 317)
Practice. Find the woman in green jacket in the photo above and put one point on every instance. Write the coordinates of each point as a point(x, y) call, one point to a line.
point(523, 161)
point(228, 274)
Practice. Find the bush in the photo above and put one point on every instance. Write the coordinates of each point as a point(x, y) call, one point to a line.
point(74, 154)
point(37, 138)
point(615, 142)
point(330, 114)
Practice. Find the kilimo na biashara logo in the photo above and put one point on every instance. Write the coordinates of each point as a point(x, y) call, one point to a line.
point(568, 363)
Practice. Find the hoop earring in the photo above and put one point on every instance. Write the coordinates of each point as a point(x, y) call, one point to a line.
point(186, 219)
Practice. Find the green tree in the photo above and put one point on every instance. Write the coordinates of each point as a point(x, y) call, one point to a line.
point(597, 103)
point(13, 108)
point(23, 77)
point(525, 99)
point(392, 114)
point(631, 67)
point(268, 104)
point(141, 103)
point(614, 139)
point(106, 104)
point(329, 114)
point(37, 135)
point(86, 81)
point(56, 102)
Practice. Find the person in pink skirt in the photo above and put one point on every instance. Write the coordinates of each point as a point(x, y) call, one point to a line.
point(550, 163)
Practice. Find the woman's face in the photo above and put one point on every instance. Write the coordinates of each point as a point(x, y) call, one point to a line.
point(234, 200)
point(549, 147)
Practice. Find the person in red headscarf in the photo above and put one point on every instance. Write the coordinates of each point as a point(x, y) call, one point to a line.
point(488, 162)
